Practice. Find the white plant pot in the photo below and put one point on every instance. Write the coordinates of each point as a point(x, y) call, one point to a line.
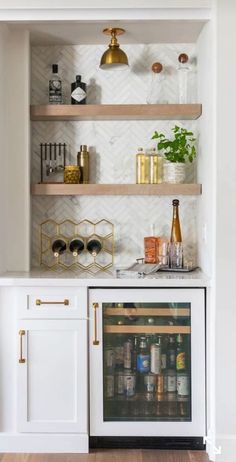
point(174, 172)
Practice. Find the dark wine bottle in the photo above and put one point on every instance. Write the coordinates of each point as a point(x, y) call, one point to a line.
point(76, 246)
point(58, 247)
point(94, 246)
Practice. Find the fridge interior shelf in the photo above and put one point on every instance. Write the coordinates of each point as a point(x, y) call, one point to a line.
point(177, 312)
point(117, 329)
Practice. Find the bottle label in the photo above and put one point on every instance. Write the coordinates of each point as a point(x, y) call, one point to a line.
point(55, 91)
point(180, 361)
point(78, 94)
point(171, 358)
point(143, 362)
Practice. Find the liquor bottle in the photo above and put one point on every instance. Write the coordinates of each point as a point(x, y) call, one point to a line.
point(155, 167)
point(55, 86)
point(183, 71)
point(78, 91)
point(58, 247)
point(142, 167)
point(171, 353)
point(176, 248)
point(180, 354)
point(163, 353)
point(155, 93)
point(143, 357)
point(143, 364)
point(94, 246)
point(134, 353)
point(83, 163)
point(76, 246)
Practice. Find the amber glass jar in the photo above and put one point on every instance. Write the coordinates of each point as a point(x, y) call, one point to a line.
point(71, 174)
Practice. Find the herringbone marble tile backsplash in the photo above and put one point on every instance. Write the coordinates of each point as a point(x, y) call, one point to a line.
point(112, 144)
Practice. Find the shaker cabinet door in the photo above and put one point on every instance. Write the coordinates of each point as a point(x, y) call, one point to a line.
point(52, 376)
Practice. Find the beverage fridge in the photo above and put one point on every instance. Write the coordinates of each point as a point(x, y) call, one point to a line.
point(147, 367)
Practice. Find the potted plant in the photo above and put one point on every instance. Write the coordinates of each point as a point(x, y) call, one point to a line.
point(177, 152)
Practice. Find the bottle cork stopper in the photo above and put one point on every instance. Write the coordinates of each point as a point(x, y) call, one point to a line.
point(183, 58)
point(157, 68)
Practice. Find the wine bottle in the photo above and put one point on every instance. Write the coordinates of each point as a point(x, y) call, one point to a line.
point(58, 247)
point(76, 246)
point(176, 248)
point(94, 246)
point(55, 86)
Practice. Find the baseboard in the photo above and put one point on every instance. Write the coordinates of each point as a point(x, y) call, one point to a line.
point(227, 446)
point(44, 443)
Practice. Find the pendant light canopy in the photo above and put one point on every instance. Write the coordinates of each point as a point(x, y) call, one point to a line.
point(114, 57)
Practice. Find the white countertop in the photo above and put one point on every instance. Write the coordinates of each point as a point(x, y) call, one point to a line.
point(103, 279)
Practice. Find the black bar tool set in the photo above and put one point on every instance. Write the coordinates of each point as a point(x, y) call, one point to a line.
point(53, 160)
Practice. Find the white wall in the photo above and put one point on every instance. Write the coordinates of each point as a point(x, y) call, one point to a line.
point(3, 145)
point(226, 233)
point(18, 157)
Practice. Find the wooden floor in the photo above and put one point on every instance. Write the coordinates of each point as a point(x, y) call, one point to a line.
point(112, 455)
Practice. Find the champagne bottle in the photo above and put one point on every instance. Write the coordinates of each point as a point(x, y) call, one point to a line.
point(176, 248)
point(94, 246)
point(175, 228)
point(58, 247)
point(76, 246)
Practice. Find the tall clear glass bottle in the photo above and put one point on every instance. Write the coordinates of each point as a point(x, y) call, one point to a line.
point(155, 92)
point(183, 76)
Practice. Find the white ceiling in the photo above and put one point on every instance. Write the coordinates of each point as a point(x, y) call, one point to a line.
point(82, 33)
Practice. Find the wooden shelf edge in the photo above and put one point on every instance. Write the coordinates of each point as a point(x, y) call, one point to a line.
point(116, 112)
point(53, 189)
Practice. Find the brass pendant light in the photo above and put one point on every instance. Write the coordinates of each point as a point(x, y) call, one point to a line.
point(114, 57)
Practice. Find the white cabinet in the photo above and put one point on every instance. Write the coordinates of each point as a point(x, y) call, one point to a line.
point(52, 380)
point(52, 360)
point(142, 403)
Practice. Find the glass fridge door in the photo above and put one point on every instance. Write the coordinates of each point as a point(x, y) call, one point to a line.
point(147, 363)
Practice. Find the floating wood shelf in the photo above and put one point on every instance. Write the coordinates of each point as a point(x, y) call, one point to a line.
point(116, 112)
point(62, 189)
point(147, 329)
point(146, 312)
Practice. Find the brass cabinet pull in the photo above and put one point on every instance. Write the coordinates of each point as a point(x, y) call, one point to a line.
point(21, 359)
point(40, 302)
point(95, 341)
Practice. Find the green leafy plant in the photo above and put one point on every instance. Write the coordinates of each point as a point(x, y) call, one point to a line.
point(181, 148)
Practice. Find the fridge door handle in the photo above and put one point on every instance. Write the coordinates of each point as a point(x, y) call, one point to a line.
point(95, 339)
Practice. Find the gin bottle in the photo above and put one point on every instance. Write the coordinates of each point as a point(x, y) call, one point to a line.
point(55, 86)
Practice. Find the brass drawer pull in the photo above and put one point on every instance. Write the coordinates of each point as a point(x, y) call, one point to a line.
point(40, 302)
point(21, 359)
point(95, 306)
